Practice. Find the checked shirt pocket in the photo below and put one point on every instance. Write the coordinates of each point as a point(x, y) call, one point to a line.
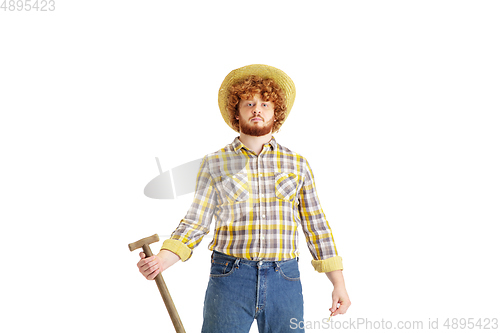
point(286, 186)
point(236, 187)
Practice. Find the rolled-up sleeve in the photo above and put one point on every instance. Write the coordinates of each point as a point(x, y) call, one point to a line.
point(196, 223)
point(316, 228)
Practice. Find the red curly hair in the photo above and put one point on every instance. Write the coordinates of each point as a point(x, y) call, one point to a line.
point(252, 85)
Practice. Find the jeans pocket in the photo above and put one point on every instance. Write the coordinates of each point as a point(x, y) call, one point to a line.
point(286, 186)
point(290, 270)
point(221, 267)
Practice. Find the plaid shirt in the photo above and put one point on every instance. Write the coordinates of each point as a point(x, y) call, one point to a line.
point(258, 202)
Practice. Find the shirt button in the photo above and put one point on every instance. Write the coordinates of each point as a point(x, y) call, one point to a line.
point(262, 237)
point(263, 216)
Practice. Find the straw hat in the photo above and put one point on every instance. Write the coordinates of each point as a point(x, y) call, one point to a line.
point(265, 72)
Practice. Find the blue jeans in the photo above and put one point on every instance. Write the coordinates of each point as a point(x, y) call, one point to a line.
point(241, 290)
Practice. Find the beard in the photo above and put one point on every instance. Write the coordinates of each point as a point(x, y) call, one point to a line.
point(255, 129)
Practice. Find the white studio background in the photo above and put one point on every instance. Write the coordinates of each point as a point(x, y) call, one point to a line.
point(397, 111)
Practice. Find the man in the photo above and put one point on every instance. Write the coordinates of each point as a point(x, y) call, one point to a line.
point(259, 193)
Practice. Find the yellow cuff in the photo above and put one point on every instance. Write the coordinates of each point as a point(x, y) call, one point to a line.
point(177, 247)
point(328, 265)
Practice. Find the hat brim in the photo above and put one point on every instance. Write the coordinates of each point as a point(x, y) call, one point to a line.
point(264, 71)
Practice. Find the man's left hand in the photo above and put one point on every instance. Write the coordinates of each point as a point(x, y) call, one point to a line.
point(341, 301)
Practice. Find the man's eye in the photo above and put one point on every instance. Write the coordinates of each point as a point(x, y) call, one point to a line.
point(265, 104)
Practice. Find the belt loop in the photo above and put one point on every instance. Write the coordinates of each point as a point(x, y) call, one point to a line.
point(276, 266)
point(237, 263)
point(297, 259)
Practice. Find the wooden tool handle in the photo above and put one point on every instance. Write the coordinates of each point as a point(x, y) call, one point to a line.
point(167, 299)
point(142, 242)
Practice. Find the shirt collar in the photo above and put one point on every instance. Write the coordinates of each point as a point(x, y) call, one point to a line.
point(237, 144)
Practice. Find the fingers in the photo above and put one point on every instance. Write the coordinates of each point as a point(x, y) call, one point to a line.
point(342, 308)
point(153, 274)
point(339, 308)
point(149, 267)
point(334, 308)
point(145, 260)
point(340, 301)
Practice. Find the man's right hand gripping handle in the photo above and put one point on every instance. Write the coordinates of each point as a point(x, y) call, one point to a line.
point(152, 266)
